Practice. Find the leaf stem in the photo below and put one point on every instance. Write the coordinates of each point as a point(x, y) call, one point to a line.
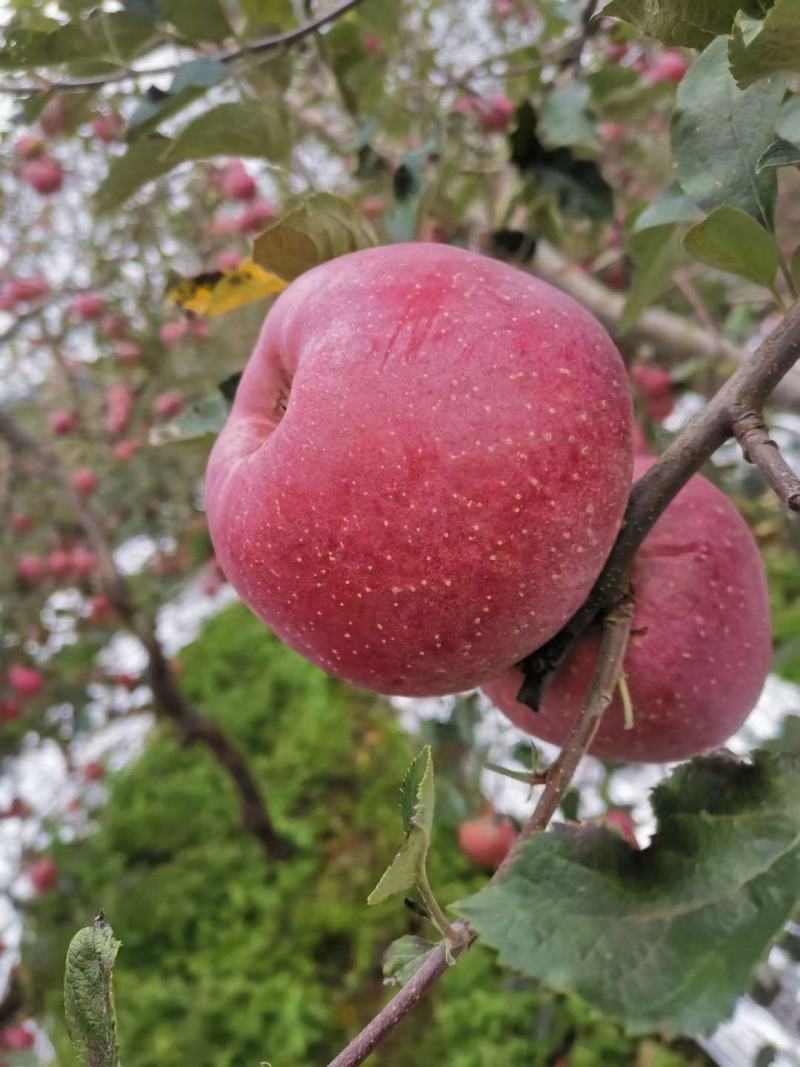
point(438, 917)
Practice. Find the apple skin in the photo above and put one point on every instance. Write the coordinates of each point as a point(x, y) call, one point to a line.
point(486, 840)
point(697, 665)
point(447, 479)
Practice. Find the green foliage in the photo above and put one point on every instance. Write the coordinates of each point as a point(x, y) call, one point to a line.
point(89, 997)
point(227, 961)
point(731, 240)
point(719, 132)
point(656, 252)
point(693, 23)
point(665, 938)
point(761, 48)
point(321, 228)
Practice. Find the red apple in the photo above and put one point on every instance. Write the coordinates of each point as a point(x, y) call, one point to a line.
point(28, 146)
point(43, 173)
point(128, 351)
point(10, 709)
point(99, 607)
point(25, 681)
point(84, 481)
point(125, 450)
point(198, 328)
point(228, 259)
point(255, 216)
point(655, 387)
point(425, 467)
point(621, 823)
point(93, 771)
point(59, 563)
point(496, 114)
point(168, 405)
point(43, 875)
point(120, 399)
point(667, 67)
point(54, 117)
point(17, 1038)
point(172, 333)
point(23, 290)
point(700, 648)
point(486, 840)
point(235, 183)
point(21, 523)
point(89, 306)
point(83, 561)
point(114, 327)
point(107, 128)
point(31, 568)
point(63, 422)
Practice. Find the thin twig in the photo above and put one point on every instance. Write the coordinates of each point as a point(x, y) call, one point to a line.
point(759, 448)
point(168, 700)
point(265, 44)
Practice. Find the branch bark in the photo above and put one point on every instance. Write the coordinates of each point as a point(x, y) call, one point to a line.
point(265, 44)
point(759, 449)
point(194, 728)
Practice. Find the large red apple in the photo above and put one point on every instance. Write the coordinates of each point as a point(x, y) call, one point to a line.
point(425, 466)
point(700, 649)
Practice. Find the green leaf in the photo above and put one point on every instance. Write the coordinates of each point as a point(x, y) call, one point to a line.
point(416, 806)
point(732, 241)
point(693, 23)
point(760, 48)
point(197, 20)
point(102, 39)
point(321, 228)
point(143, 162)
point(719, 132)
point(404, 957)
point(204, 418)
point(779, 154)
point(88, 995)
point(190, 81)
point(655, 252)
point(666, 938)
point(672, 205)
point(232, 130)
point(564, 117)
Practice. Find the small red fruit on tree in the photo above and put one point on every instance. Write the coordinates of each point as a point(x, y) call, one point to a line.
point(485, 423)
point(168, 405)
point(28, 146)
point(172, 333)
point(31, 568)
point(255, 216)
point(666, 67)
point(10, 709)
point(43, 173)
point(235, 183)
point(93, 771)
point(107, 128)
point(89, 307)
point(654, 385)
point(21, 523)
point(83, 561)
point(114, 327)
point(43, 875)
point(700, 647)
point(99, 607)
point(59, 563)
point(17, 1038)
point(120, 399)
point(125, 449)
point(84, 481)
point(128, 351)
point(228, 259)
point(63, 422)
point(487, 840)
point(24, 290)
point(54, 117)
point(25, 681)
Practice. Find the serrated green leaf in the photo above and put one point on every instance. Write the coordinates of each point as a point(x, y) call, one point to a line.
point(732, 241)
point(416, 806)
point(665, 938)
point(197, 20)
point(779, 154)
point(404, 957)
point(671, 205)
point(321, 228)
point(693, 23)
point(232, 130)
point(759, 48)
point(204, 418)
point(89, 997)
point(142, 163)
point(655, 252)
point(564, 116)
point(190, 81)
point(719, 132)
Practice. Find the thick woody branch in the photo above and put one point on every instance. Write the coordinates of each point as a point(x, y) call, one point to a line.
point(167, 698)
point(759, 449)
point(616, 630)
point(265, 44)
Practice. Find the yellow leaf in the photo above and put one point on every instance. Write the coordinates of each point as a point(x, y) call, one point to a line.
point(221, 291)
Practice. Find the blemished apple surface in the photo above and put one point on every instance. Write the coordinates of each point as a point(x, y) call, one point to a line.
point(700, 647)
point(424, 469)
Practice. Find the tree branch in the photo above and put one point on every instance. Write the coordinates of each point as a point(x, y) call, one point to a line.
point(759, 448)
point(167, 698)
point(616, 630)
point(265, 44)
point(746, 389)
